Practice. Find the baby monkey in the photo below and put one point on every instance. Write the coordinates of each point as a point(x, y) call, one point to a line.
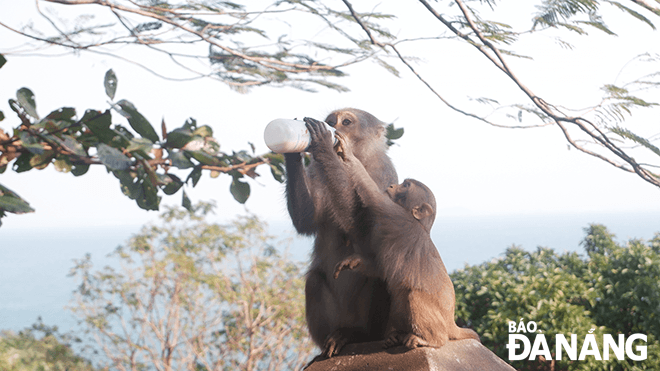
point(422, 311)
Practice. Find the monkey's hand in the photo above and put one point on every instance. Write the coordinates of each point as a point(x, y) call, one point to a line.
point(351, 263)
point(345, 149)
point(322, 141)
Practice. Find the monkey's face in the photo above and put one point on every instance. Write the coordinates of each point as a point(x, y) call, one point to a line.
point(415, 197)
point(343, 121)
point(355, 124)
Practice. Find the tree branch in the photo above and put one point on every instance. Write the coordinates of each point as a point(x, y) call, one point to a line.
point(374, 41)
point(486, 48)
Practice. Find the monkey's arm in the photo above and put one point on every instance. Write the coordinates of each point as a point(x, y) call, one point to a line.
point(299, 200)
point(341, 206)
point(366, 187)
point(370, 194)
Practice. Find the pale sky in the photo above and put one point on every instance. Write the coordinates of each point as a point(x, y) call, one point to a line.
point(473, 169)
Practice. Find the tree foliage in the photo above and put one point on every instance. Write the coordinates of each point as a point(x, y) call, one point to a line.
point(40, 347)
point(142, 161)
point(146, 164)
point(613, 289)
point(192, 295)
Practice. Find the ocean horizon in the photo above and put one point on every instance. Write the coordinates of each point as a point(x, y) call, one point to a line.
point(34, 266)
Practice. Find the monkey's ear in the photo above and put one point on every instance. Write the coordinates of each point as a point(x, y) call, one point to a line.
point(422, 211)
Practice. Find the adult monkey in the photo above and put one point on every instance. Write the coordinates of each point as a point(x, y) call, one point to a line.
point(323, 203)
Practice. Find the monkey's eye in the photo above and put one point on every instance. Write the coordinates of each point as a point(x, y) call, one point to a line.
point(346, 122)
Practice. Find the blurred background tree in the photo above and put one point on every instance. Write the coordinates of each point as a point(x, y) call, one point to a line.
point(613, 289)
point(188, 294)
point(40, 347)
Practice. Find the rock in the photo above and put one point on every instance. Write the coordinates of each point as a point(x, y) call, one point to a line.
point(461, 355)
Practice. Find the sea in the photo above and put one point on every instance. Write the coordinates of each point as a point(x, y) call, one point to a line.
point(34, 265)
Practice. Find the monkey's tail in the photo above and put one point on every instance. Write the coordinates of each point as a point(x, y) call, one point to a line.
point(464, 333)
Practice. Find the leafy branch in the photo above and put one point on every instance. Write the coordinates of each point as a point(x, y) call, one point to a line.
point(142, 160)
point(227, 38)
point(481, 35)
point(146, 164)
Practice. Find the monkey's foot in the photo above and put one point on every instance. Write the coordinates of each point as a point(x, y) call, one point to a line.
point(349, 263)
point(334, 342)
point(393, 340)
point(410, 341)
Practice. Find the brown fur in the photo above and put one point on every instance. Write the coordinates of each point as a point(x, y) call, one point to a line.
point(422, 294)
point(322, 203)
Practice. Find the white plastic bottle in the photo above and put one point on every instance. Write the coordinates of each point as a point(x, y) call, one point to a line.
point(290, 136)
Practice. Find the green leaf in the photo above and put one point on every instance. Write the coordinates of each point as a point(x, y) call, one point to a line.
point(70, 144)
point(62, 164)
point(203, 131)
point(25, 98)
point(179, 159)
point(138, 122)
point(173, 186)
point(122, 137)
point(128, 186)
point(22, 163)
point(204, 158)
point(2, 60)
point(393, 134)
point(14, 205)
point(113, 158)
point(277, 173)
point(195, 175)
point(149, 199)
point(42, 161)
point(64, 113)
point(276, 163)
point(2, 116)
point(240, 190)
point(185, 202)
point(99, 124)
point(110, 83)
point(31, 143)
point(633, 13)
point(79, 169)
point(12, 202)
point(391, 69)
point(140, 144)
point(599, 25)
point(625, 133)
point(178, 138)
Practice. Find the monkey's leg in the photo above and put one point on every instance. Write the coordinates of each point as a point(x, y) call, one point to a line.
point(320, 308)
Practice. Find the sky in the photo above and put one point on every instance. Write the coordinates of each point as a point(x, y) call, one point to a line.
point(474, 169)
